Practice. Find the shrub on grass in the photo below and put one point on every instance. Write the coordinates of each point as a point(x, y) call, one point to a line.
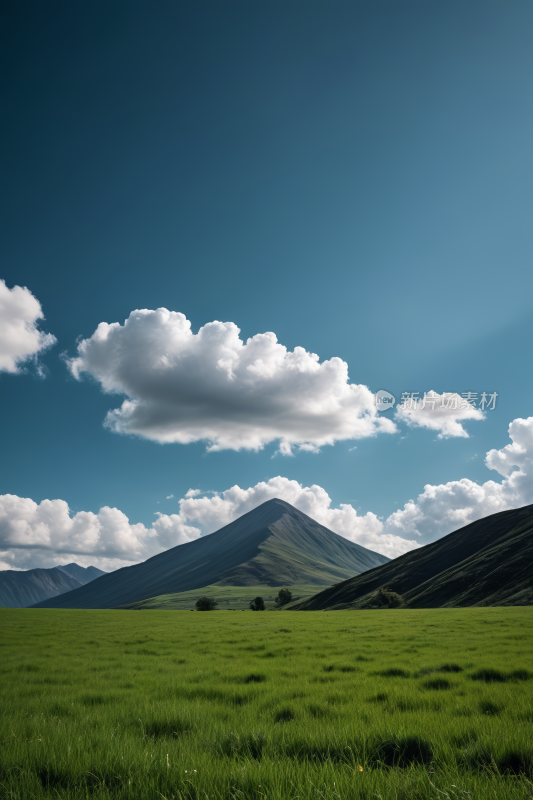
point(388, 599)
point(283, 597)
point(403, 751)
point(258, 604)
point(206, 604)
point(383, 598)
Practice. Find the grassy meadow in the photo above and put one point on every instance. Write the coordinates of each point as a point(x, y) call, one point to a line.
point(396, 705)
point(229, 598)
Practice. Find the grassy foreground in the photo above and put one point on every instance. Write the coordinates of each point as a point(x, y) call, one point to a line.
point(397, 705)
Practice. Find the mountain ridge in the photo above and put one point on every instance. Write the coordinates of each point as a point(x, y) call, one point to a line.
point(488, 562)
point(272, 544)
point(23, 588)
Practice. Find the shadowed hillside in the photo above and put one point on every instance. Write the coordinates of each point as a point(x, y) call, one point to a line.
point(486, 563)
point(23, 588)
point(273, 545)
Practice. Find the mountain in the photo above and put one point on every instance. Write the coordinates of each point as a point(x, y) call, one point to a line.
point(486, 563)
point(20, 589)
point(83, 574)
point(272, 545)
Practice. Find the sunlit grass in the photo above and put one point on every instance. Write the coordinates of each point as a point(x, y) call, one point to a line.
point(366, 704)
point(229, 598)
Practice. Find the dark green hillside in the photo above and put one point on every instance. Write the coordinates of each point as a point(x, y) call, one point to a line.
point(486, 563)
point(273, 545)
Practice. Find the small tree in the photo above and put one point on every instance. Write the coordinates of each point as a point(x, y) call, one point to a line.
point(258, 604)
point(284, 597)
point(206, 604)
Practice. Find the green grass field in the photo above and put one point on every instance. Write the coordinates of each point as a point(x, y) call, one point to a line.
point(229, 597)
point(396, 705)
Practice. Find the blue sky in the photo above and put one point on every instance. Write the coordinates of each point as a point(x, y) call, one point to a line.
point(354, 177)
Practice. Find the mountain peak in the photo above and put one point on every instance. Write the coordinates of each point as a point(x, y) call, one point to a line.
point(273, 544)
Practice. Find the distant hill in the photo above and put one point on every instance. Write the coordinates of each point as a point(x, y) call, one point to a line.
point(83, 574)
point(272, 545)
point(20, 589)
point(486, 563)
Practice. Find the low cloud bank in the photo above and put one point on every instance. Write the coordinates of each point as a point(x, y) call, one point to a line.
point(20, 339)
point(46, 534)
point(446, 507)
point(212, 386)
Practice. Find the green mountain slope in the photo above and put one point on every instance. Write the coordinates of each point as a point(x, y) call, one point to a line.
point(486, 563)
point(229, 598)
point(20, 589)
point(272, 545)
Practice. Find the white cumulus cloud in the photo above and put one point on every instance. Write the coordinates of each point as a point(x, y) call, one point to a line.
point(212, 386)
point(439, 412)
point(20, 339)
point(444, 508)
point(44, 534)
